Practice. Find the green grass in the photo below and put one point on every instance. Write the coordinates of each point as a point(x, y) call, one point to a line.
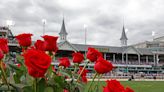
point(137, 86)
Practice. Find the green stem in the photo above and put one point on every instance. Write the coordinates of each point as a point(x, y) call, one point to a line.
point(4, 75)
point(75, 69)
point(98, 83)
point(35, 84)
point(92, 81)
point(82, 70)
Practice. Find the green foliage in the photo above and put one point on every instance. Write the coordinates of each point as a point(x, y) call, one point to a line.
point(137, 86)
point(53, 81)
point(49, 89)
point(27, 89)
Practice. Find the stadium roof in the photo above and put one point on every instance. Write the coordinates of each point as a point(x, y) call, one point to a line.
point(111, 49)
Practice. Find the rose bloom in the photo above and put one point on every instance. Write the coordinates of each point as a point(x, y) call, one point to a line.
point(40, 45)
point(24, 39)
point(3, 45)
point(50, 43)
point(37, 62)
point(1, 54)
point(102, 66)
point(64, 62)
point(84, 79)
point(77, 57)
point(18, 65)
point(53, 69)
point(128, 90)
point(84, 73)
point(65, 90)
point(93, 54)
point(115, 86)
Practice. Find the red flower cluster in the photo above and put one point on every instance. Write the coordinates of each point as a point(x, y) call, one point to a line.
point(24, 39)
point(64, 62)
point(77, 57)
point(50, 43)
point(1, 54)
point(83, 74)
point(39, 45)
point(37, 62)
point(93, 54)
point(102, 66)
point(3, 45)
point(115, 86)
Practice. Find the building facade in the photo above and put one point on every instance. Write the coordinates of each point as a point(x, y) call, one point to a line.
point(126, 59)
point(146, 57)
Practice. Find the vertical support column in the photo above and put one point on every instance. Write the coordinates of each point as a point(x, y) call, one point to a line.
point(154, 59)
point(114, 59)
point(122, 57)
point(147, 58)
point(105, 56)
point(139, 60)
point(157, 56)
point(126, 58)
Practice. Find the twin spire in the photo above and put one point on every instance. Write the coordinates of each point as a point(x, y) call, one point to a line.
point(63, 34)
point(123, 38)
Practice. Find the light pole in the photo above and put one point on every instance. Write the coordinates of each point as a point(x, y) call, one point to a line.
point(9, 23)
point(153, 35)
point(44, 25)
point(85, 29)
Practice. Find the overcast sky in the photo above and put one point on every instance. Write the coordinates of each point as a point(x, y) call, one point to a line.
point(104, 19)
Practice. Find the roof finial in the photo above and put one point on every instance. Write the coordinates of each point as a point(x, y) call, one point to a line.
point(123, 21)
point(123, 36)
point(63, 15)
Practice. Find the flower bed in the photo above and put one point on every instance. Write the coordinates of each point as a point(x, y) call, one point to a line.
point(33, 71)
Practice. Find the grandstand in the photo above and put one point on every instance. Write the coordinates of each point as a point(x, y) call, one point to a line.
point(142, 60)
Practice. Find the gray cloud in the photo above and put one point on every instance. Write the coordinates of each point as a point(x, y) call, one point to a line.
point(103, 17)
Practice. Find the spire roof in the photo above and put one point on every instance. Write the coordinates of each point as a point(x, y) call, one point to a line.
point(63, 29)
point(123, 36)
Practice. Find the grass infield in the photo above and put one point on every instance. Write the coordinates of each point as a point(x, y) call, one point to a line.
point(137, 86)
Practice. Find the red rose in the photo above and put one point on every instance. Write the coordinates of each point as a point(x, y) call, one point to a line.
point(50, 43)
point(3, 45)
point(18, 65)
point(37, 62)
point(84, 79)
point(102, 66)
point(128, 90)
point(93, 54)
point(65, 90)
point(24, 39)
point(77, 57)
point(40, 45)
point(1, 54)
point(113, 86)
point(84, 73)
point(64, 62)
point(53, 69)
